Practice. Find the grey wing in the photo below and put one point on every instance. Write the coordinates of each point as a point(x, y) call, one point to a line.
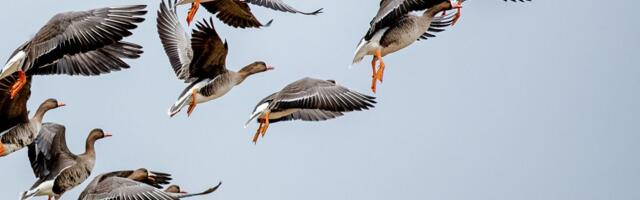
point(75, 32)
point(438, 25)
point(174, 39)
point(311, 93)
point(208, 191)
point(400, 7)
point(279, 5)
point(391, 10)
point(161, 179)
point(311, 115)
point(45, 154)
point(124, 188)
point(213, 85)
point(95, 62)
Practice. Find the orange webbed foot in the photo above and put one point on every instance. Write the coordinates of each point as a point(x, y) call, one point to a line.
point(192, 11)
point(192, 105)
point(456, 5)
point(266, 124)
point(380, 72)
point(18, 85)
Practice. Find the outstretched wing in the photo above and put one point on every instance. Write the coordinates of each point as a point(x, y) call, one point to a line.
point(391, 10)
point(124, 188)
point(93, 63)
point(279, 5)
point(309, 115)
point(82, 31)
point(209, 52)
point(438, 24)
point(174, 40)
point(311, 93)
point(234, 13)
point(50, 150)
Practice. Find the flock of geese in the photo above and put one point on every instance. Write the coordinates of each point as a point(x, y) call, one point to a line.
point(91, 43)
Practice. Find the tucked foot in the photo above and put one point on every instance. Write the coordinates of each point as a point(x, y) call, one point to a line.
point(192, 105)
point(192, 11)
point(18, 85)
point(456, 5)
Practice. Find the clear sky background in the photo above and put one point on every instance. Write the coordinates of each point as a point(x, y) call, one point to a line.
point(533, 100)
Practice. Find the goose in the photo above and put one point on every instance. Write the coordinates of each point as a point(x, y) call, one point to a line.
point(57, 169)
point(200, 62)
point(307, 99)
point(23, 134)
point(138, 184)
point(395, 27)
point(237, 13)
point(77, 43)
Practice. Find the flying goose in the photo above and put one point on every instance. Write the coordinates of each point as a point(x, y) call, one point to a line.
point(201, 62)
point(237, 13)
point(57, 169)
point(23, 134)
point(308, 99)
point(395, 27)
point(77, 43)
point(139, 184)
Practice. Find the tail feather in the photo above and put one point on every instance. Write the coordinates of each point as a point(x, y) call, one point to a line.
point(361, 52)
point(176, 107)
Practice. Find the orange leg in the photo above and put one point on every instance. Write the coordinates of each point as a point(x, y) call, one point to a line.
point(192, 11)
point(192, 105)
point(255, 137)
point(380, 72)
point(374, 61)
point(266, 124)
point(18, 85)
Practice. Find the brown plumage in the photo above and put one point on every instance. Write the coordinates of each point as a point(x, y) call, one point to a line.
point(25, 133)
point(57, 169)
point(199, 61)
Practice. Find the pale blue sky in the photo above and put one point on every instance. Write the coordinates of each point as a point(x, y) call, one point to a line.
point(529, 101)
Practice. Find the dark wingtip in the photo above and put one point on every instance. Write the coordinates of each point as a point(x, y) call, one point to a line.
point(315, 12)
point(268, 24)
